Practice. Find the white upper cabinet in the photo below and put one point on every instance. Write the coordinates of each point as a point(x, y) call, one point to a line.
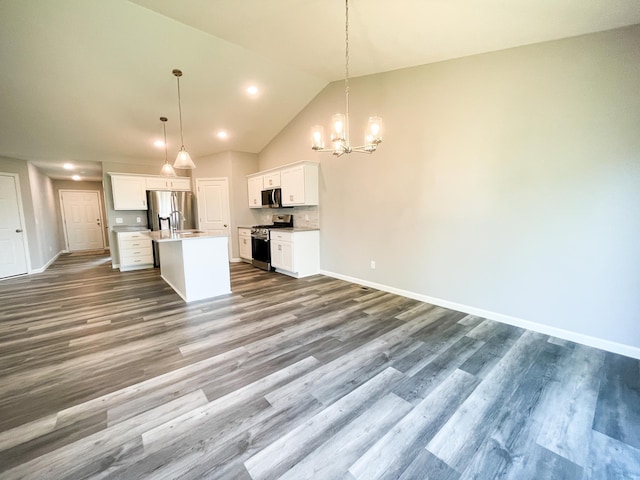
point(271, 180)
point(168, 183)
point(254, 187)
point(129, 192)
point(298, 181)
point(300, 184)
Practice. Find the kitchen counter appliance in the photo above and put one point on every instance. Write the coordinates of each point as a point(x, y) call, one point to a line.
point(272, 198)
point(260, 240)
point(169, 211)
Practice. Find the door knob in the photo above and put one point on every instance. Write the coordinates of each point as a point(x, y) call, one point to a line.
point(226, 225)
point(18, 230)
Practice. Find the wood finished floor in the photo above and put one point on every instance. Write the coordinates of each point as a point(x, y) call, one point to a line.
point(110, 375)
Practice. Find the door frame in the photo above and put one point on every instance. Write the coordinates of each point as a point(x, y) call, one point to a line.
point(64, 218)
point(25, 241)
point(197, 192)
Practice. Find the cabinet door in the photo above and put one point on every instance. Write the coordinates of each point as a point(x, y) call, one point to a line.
point(156, 183)
point(292, 182)
point(271, 180)
point(180, 184)
point(129, 192)
point(245, 247)
point(254, 187)
point(282, 255)
point(244, 241)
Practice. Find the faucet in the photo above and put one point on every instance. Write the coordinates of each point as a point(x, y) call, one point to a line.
point(174, 224)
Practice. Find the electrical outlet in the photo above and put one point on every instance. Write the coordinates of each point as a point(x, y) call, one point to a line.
point(373, 264)
point(119, 220)
point(138, 219)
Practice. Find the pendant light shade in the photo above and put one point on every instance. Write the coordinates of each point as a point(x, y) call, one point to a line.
point(183, 160)
point(167, 169)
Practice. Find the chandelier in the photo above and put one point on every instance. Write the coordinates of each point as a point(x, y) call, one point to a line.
point(183, 160)
point(340, 122)
point(167, 169)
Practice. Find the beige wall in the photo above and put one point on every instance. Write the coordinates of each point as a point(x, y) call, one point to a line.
point(43, 238)
point(73, 185)
point(234, 166)
point(507, 183)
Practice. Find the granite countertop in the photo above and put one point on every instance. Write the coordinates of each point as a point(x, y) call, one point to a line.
point(299, 229)
point(129, 228)
point(179, 235)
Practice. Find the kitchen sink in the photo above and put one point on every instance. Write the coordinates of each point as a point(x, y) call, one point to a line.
point(188, 232)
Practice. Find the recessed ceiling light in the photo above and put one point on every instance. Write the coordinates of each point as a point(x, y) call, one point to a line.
point(68, 166)
point(222, 134)
point(76, 177)
point(158, 143)
point(252, 90)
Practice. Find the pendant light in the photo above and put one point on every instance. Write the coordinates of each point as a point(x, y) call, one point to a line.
point(340, 122)
point(167, 169)
point(183, 160)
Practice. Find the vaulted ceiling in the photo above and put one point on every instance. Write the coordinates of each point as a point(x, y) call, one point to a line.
point(85, 81)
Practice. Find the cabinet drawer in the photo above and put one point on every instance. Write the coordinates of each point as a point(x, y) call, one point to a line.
point(282, 236)
point(126, 260)
point(136, 251)
point(133, 236)
point(135, 243)
point(244, 232)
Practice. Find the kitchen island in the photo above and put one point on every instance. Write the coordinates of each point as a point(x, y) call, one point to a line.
point(194, 263)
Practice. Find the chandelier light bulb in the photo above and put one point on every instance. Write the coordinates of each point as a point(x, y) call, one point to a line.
point(317, 137)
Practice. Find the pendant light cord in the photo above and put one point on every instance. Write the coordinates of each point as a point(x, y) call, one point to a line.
point(164, 127)
point(179, 107)
point(346, 71)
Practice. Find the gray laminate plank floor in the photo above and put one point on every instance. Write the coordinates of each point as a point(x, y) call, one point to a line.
point(106, 374)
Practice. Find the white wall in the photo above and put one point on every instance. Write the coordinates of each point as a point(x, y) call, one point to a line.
point(507, 182)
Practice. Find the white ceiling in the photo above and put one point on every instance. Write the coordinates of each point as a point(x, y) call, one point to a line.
point(85, 81)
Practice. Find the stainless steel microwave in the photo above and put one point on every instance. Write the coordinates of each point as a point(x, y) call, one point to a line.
point(272, 198)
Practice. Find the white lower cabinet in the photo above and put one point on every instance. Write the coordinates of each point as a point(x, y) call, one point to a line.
point(296, 253)
point(135, 250)
point(244, 241)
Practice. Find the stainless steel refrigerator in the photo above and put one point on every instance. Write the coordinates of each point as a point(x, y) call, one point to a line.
point(166, 209)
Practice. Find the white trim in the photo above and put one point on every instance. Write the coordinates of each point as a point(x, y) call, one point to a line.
point(608, 345)
point(225, 180)
point(47, 265)
point(25, 241)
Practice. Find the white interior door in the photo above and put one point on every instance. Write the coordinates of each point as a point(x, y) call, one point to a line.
point(13, 257)
point(82, 218)
point(213, 206)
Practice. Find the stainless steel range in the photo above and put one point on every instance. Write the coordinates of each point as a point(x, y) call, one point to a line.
point(260, 240)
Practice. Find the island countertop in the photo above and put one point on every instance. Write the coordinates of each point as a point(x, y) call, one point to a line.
point(179, 235)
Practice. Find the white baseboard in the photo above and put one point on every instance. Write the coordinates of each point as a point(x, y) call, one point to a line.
point(609, 346)
point(48, 264)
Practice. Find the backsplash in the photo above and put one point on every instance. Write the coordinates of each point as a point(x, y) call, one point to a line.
point(302, 216)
